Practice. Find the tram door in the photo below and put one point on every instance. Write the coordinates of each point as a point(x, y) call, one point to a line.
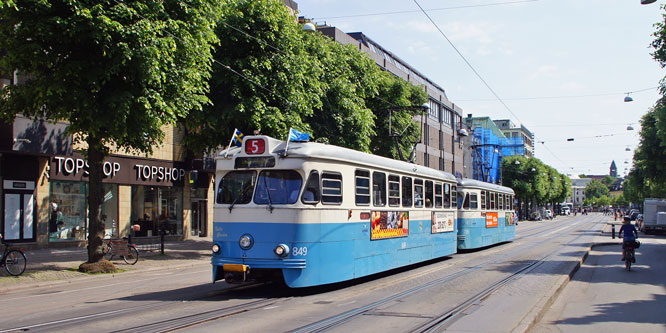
point(199, 218)
point(19, 211)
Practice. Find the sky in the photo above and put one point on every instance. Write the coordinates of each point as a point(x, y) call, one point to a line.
point(561, 67)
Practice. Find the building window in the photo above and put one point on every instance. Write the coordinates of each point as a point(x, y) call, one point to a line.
point(157, 209)
point(446, 116)
point(433, 112)
point(68, 219)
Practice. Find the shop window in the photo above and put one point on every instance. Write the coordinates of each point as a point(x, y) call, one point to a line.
point(68, 218)
point(157, 210)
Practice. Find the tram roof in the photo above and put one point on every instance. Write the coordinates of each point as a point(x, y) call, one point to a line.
point(341, 154)
point(466, 182)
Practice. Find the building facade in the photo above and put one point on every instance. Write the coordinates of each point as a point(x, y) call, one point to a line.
point(510, 130)
point(441, 144)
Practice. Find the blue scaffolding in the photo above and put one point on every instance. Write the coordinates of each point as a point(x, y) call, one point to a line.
point(489, 149)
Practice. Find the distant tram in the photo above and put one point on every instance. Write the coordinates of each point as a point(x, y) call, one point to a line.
point(320, 214)
point(485, 214)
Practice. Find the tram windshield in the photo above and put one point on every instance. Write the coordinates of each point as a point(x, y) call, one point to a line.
point(236, 187)
point(278, 187)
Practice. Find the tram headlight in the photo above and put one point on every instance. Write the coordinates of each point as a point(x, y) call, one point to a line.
point(215, 248)
point(246, 242)
point(282, 250)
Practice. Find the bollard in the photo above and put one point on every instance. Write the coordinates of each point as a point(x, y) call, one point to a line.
point(162, 243)
point(613, 231)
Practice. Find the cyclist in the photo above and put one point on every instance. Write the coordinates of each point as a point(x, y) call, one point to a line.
point(629, 234)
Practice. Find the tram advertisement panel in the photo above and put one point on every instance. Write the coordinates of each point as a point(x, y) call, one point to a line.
point(389, 225)
point(509, 219)
point(442, 222)
point(492, 220)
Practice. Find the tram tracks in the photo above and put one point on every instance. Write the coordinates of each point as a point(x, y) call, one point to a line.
point(437, 322)
point(57, 325)
point(433, 323)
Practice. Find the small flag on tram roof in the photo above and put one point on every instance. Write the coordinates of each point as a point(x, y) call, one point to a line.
point(237, 139)
point(295, 135)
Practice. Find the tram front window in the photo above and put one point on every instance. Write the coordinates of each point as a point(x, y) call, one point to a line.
point(278, 187)
point(236, 187)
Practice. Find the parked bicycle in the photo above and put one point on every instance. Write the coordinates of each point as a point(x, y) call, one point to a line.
point(122, 248)
point(13, 260)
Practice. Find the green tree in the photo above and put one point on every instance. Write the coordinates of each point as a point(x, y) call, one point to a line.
point(596, 189)
point(270, 76)
point(264, 77)
point(404, 101)
point(116, 71)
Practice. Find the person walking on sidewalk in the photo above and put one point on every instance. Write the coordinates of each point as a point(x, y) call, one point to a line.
point(629, 234)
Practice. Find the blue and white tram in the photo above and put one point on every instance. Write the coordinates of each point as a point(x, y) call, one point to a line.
point(322, 214)
point(485, 214)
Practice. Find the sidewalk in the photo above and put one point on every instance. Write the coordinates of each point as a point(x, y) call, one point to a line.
point(53, 266)
point(602, 296)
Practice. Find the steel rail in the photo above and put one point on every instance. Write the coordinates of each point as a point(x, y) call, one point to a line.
point(446, 317)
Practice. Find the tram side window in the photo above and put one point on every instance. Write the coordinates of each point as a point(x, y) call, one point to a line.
point(418, 193)
point(493, 196)
point(473, 201)
point(501, 201)
point(311, 191)
point(454, 196)
point(447, 196)
point(379, 189)
point(438, 195)
point(331, 188)
point(483, 199)
point(406, 192)
point(512, 203)
point(488, 195)
point(465, 204)
point(496, 200)
point(363, 187)
point(394, 190)
point(236, 187)
point(428, 194)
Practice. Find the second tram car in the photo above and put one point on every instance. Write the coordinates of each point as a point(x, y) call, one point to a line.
point(318, 214)
point(485, 214)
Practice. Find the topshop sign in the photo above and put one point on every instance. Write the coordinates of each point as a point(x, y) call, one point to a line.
point(119, 170)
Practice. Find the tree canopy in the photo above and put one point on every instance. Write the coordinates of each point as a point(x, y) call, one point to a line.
point(270, 76)
point(117, 72)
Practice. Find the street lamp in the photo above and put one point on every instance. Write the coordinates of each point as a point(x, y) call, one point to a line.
point(309, 27)
point(628, 98)
point(647, 2)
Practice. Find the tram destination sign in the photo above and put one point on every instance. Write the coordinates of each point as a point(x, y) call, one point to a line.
point(119, 170)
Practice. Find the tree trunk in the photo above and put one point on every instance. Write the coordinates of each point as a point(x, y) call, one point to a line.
point(95, 227)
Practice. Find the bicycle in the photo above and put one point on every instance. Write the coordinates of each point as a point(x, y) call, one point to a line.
point(122, 248)
point(13, 260)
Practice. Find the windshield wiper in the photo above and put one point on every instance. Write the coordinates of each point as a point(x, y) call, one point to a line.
point(242, 194)
point(270, 202)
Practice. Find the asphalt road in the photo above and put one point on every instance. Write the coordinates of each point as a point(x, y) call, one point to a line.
point(519, 278)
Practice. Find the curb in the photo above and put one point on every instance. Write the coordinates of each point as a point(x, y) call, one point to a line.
point(102, 277)
point(533, 317)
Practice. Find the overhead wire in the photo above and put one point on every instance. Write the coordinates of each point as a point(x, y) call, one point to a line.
point(555, 97)
point(430, 10)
